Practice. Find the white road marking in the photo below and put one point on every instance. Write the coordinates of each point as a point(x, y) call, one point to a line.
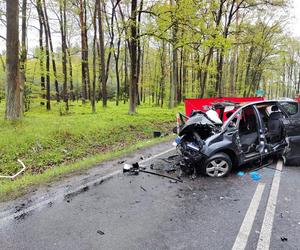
point(245, 229)
point(4, 216)
point(266, 230)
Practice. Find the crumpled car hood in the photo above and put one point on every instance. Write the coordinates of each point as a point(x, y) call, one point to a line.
point(199, 123)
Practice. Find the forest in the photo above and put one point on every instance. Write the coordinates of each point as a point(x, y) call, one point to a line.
point(155, 52)
point(86, 80)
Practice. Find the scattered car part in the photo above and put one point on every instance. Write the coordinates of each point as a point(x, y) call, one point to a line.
point(132, 169)
point(255, 176)
point(17, 174)
point(156, 134)
point(135, 169)
point(240, 173)
point(100, 232)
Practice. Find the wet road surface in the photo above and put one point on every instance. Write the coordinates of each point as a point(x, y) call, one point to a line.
point(151, 212)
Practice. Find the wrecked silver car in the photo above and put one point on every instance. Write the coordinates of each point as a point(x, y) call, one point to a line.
point(248, 133)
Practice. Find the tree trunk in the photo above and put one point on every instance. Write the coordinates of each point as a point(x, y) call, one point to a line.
point(13, 106)
point(205, 74)
point(174, 81)
point(93, 96)
point(102, 53)
point(72, 94)
point(142, 74)
point(126, 87)
point(41, 52)
point(84, 53)
point(23, 56)
point(179, 86)
point(139, 52)
point(117, 56)
point(184, 75)
point(163, 63)
point(233, 70)
point(48, 94)
point(43, 22)
point(47, 30)
point(63, 29)
point(220, 60)
point(133, 57)
point(248, 67)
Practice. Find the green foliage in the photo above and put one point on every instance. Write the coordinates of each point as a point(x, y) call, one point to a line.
point(46, 140)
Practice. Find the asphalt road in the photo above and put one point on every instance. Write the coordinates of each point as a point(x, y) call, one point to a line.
point(150, 212)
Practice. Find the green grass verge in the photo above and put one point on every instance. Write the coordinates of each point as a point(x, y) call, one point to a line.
point(52, 145)
point(13, 189)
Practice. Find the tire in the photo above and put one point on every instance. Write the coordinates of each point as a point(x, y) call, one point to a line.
point(217, 166)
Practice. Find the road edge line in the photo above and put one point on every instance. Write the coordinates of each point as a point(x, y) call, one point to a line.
point(245, 229)
point(267, 226)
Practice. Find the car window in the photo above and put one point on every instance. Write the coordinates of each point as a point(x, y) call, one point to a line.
point(233, 121)
point(290, 107)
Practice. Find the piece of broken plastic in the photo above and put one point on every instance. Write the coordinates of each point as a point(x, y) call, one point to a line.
point(255, 176)
point(127, 167)
point(177, 140)
point(157, 134)
point(241, 173)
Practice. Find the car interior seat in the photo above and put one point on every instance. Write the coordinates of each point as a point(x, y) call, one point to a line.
point(248, 132)
point(275, 127)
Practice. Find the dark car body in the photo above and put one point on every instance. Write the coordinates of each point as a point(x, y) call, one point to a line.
point(253, 132)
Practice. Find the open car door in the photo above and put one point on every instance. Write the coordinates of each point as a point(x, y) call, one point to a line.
point(291, 154)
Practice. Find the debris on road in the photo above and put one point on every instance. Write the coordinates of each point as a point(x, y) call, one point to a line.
point(19, 207)
point(144, 189)
point(22, 216)
point(241, 174)
point(100, 232)
point(135, 202)
point(162, 175)
point(255, 176)
point(135, 169)
point(130, 169)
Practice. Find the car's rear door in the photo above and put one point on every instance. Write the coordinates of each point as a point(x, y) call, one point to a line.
point(291, 108)
point(291, 153)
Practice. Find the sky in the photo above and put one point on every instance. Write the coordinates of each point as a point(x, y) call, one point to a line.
point(295, 18)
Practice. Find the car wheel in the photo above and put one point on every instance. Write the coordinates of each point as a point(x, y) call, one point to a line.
point(218, 165)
